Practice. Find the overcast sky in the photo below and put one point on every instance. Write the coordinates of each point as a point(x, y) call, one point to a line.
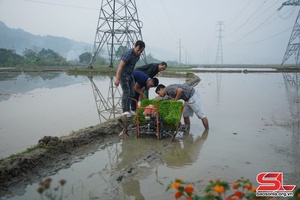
point(254, 31)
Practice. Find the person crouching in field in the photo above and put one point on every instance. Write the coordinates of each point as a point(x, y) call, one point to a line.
point(142, 82)
point(191, 98)
point(152, 70)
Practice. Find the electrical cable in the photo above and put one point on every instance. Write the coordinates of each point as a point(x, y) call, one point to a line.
point(168, 18)
point(258, 41)
point(246, 22)
point(291, 13)
point(158, 30)
point(56, 4)
point(265, 11)
point(261, 25)
point(242, 11)
point(254, 30)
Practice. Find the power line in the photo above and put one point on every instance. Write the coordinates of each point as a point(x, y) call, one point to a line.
point(261, 25)
point(161, 27)
point(264, 23)
point(258, 41)
point(291, 13)
point(242, 11)
point(247, 20)
point(262, 13)
point(168, 17)
point(63, 5)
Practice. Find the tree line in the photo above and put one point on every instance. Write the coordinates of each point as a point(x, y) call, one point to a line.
point(44, 57)
point(47, 57)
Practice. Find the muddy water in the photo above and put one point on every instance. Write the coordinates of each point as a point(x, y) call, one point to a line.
point(254, 127)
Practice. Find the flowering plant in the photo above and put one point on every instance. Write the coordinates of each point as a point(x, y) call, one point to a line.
point(240, 189)
point(46, 191)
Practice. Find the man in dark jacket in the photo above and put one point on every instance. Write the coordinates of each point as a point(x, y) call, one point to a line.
point(142, 81)
point(152, 70)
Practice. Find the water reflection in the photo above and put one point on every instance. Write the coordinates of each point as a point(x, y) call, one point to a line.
point(128, 165)
point(110, 106)
point(219, 77)
point(6, 76)
point(292, 84)
point(33, 105)
point(19, 82)
point(185, 151)
point(181, 152)
point(133, 190)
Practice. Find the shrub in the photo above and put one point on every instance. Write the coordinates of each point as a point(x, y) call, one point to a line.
point(240, 189)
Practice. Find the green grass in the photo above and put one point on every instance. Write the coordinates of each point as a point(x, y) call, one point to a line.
point(28, 150)
point(170, 111)
point(181, 68)
point(95, 70)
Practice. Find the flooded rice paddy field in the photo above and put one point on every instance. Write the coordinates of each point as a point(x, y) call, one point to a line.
point(254, 127)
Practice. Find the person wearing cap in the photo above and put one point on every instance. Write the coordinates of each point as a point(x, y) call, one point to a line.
point(191, 98)
point(152, 70)
point(124, 74)
point(142, 82)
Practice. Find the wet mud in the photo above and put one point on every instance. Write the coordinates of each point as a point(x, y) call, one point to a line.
point(53, 154)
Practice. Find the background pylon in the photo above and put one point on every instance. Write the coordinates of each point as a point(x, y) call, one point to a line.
point(219, 56)
point(118, 29)
point(293, 45)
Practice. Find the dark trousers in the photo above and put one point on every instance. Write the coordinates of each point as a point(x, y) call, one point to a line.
point(127, 84)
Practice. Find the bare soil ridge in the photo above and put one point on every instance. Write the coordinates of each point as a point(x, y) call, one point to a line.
point(54, 153)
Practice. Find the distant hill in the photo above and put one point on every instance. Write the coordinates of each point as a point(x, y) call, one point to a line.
point(18, 40)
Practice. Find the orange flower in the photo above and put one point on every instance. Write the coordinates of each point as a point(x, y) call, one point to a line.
point(247, 186)
point(235, 185)
point(175, 185)
point(238, 194)
point(189, 198)
point(298, 195)
point(253, 189)
point(179, 180)
point(178, 195)
point(231, 198)
point(219, 189)
point(189, 189)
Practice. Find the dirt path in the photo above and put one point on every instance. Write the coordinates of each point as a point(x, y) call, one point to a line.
point(53, 153)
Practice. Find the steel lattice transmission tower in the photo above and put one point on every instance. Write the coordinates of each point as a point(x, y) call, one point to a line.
point(293, 46)
point(118, 26)
point(219, 57)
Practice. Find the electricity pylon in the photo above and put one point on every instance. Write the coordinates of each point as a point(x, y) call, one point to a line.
point(118, 26)
point(109, 107)
point(293, 47)
point(219, 57)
